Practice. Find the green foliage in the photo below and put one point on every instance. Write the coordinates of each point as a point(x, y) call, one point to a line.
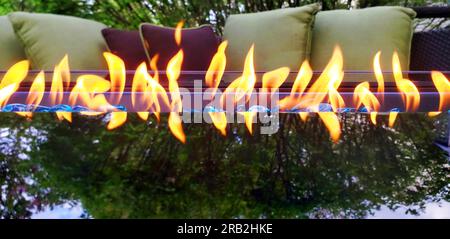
point(80, 8)
point(128, 14)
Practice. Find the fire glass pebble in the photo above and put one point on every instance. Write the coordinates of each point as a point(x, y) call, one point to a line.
point(346, 110)
point(61, 107)
point(212, 109)
point(120, 107)
point(79, 108)
point(40, 108)
point(259, 108)
point(14, 108)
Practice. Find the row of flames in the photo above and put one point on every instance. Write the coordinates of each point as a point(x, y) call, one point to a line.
point(151, 96)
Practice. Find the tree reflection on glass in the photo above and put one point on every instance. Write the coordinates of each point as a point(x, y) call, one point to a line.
point(141, 171)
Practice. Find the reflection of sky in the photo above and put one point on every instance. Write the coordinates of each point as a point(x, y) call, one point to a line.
point(432, 211)
point(65, 211)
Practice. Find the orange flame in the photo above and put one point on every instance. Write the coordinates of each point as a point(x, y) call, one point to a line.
point(243, 85)
point(143, 115)
point(409, 91)
point(301, 82)
point(64, 71)
point(363, 96)
point(176, 127)
point(146, 93)
point(57, 87)
point(139, 88)
point(64, 115)
point(157, 93)
point(411, 94)
point(330, 79)
point(10, 83)
point(212, 78)
point(16, 74)
point(99, 104)
point(219, 119)
point(178, 30)
point(216, 68)
point(36, 93)
point(303, 116)
point(379, 75)
point(327, 84)
point(373, 117)
point(392, 118)
point(6, 92)
point(249, 116)
point(380, 81)
point(154, 67)
point(61, 75)
point(25, 114)
point(117, 119)
point(336, 99)
point(117, 75)
point(248, 79)
point(331, 121)
point(434, 113)
point(272, 80)
point(88, 90)
point(173, 73)
point(12, 79)
point(442, 84)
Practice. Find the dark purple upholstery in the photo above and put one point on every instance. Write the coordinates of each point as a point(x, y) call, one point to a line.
point(199, 45)
point(127, 45)
point(430, 50)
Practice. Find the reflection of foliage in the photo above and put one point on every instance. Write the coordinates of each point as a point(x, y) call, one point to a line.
point(371, 165)
point(21, 192)
point(141, 171)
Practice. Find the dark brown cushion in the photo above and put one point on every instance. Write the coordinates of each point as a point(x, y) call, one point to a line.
point(199, 45)
point(430, 50)
point(127, 45)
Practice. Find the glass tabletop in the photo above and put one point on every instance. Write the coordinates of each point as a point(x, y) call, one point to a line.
point(52, 169)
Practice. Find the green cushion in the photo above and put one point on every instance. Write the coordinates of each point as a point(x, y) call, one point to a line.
point(47, 38)
point(11, 49)
point(361, 33)
point(282, 37)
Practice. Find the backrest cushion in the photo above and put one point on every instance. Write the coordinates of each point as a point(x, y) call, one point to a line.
point(199, 45)
point(361, 34)
point(281, 37)
point(11, 49)
point(47, 38)
point(127, 45)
